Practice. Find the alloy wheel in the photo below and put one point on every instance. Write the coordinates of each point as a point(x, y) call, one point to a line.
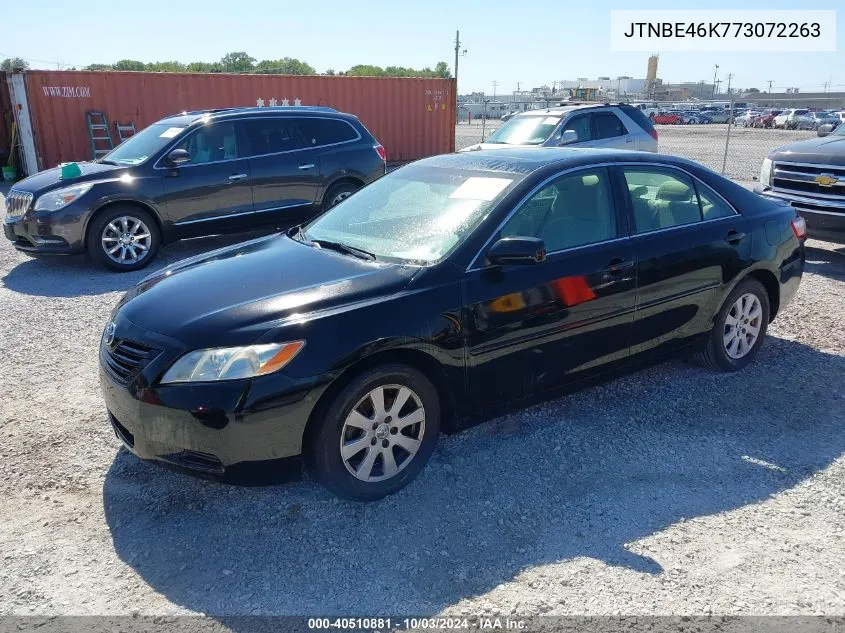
point(742, 325)
point(126, 240)
point(343, 195)
point(382, 433)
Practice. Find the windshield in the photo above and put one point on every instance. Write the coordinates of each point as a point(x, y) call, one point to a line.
point(417, 214)
point(138, 148)
point(525, 130)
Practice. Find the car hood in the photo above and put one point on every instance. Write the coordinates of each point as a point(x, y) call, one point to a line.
point(234, 295)
point(825, 150)
point(49, 179)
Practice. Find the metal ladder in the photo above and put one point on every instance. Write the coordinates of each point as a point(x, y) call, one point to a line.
point(124, 131)
point(98, 132)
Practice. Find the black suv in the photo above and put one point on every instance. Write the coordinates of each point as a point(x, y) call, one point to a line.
point(192, 174)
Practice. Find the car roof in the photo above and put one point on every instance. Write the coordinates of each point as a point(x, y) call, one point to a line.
point(563, 110)
point(527, 160)
point(187, 118)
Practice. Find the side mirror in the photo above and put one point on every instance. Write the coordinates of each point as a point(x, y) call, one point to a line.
point(178, 157)
point(825, 129)
point(517, 250)
point(568, 136)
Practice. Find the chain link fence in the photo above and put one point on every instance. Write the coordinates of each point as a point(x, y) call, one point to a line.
point(733, 150)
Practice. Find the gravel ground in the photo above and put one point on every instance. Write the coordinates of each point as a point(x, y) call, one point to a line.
point(702, 143)
point(670, 491)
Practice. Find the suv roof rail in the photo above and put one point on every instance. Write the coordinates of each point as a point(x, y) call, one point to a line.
point(251, 109)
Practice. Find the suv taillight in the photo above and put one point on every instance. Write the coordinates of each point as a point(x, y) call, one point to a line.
point(653, 133)
point(380, 151)
point(799, 227)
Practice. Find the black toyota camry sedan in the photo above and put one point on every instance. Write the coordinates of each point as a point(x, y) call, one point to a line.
point(449, 291)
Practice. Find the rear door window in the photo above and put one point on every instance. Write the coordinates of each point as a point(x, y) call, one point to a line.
point(272, 136)
point(661, 198)
point(608, 125)
point(320, 131)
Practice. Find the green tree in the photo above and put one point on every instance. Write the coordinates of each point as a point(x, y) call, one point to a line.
point(329, 71)
point(98, 67)
point(166, 67)
point(204, 67)
point(128, 64)
point(366, 70)
point(13, 63)
point(753, 90)
point(442, 70)
point(284, 66)
point(238, 62)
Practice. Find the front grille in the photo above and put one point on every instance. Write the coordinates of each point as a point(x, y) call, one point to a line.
point(17, 203)
point(125, 359)
point(804, 178)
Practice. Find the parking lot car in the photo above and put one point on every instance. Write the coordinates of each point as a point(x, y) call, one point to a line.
point(449, 291)
point(812, 120)
point(788, 119)
point(620, 126)
point(667, 118)
point(810, 175)
point(196, 173)
point(766, 118)
point(718, 116)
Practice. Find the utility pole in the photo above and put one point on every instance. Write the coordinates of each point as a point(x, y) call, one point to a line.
point(730, 125)
point(495, 83)
point(458, 53)
point(770, 86)
point(715, 72)
point(517, 86)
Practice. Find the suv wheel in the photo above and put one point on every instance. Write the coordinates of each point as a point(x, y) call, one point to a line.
point(338, 193)
point(377, 434)
point(739, 328)
point(123, 238)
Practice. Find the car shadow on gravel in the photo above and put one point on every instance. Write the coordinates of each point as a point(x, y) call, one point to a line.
point(75, 276)
point(825, 259)
point(587, 475)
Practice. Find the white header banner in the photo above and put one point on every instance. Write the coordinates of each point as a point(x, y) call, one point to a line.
point(723, 30)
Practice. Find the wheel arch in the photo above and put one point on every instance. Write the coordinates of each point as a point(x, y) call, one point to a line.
point(351, 179)
point(130, 202)
point(770, 283)
point(422, 361)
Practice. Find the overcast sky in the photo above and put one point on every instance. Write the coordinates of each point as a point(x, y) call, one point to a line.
point(529, 43)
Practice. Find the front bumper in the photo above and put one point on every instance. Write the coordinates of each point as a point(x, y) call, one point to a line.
point(825, 216)
point(48, 232)
point(206, 427)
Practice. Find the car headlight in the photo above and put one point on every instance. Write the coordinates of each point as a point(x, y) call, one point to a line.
point(232, 363)
point(766, 172)
point(55, 200)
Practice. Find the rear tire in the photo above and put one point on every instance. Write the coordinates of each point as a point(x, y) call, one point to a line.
point(739, 328)
point(369, 444)
point(337, 193)
point(123, 238)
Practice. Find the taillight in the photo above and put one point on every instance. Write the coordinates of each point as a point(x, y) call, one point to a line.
point(653, 133)
point(799, 227)
point(380, 151)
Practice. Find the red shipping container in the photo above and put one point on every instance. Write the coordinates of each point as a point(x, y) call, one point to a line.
point(411, 117)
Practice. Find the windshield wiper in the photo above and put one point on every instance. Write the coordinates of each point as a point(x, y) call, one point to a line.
point(107, 162)
point(340, 247)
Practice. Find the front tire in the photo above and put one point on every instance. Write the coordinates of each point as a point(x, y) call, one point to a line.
point(739, 328)
point(123, 238)
point(338, 193)
point(377, 434)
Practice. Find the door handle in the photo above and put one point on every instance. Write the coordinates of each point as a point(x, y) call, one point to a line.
point(734, 237)
point(237, 177)
point(618, 266)
point(307, 166)
point(629, 140)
